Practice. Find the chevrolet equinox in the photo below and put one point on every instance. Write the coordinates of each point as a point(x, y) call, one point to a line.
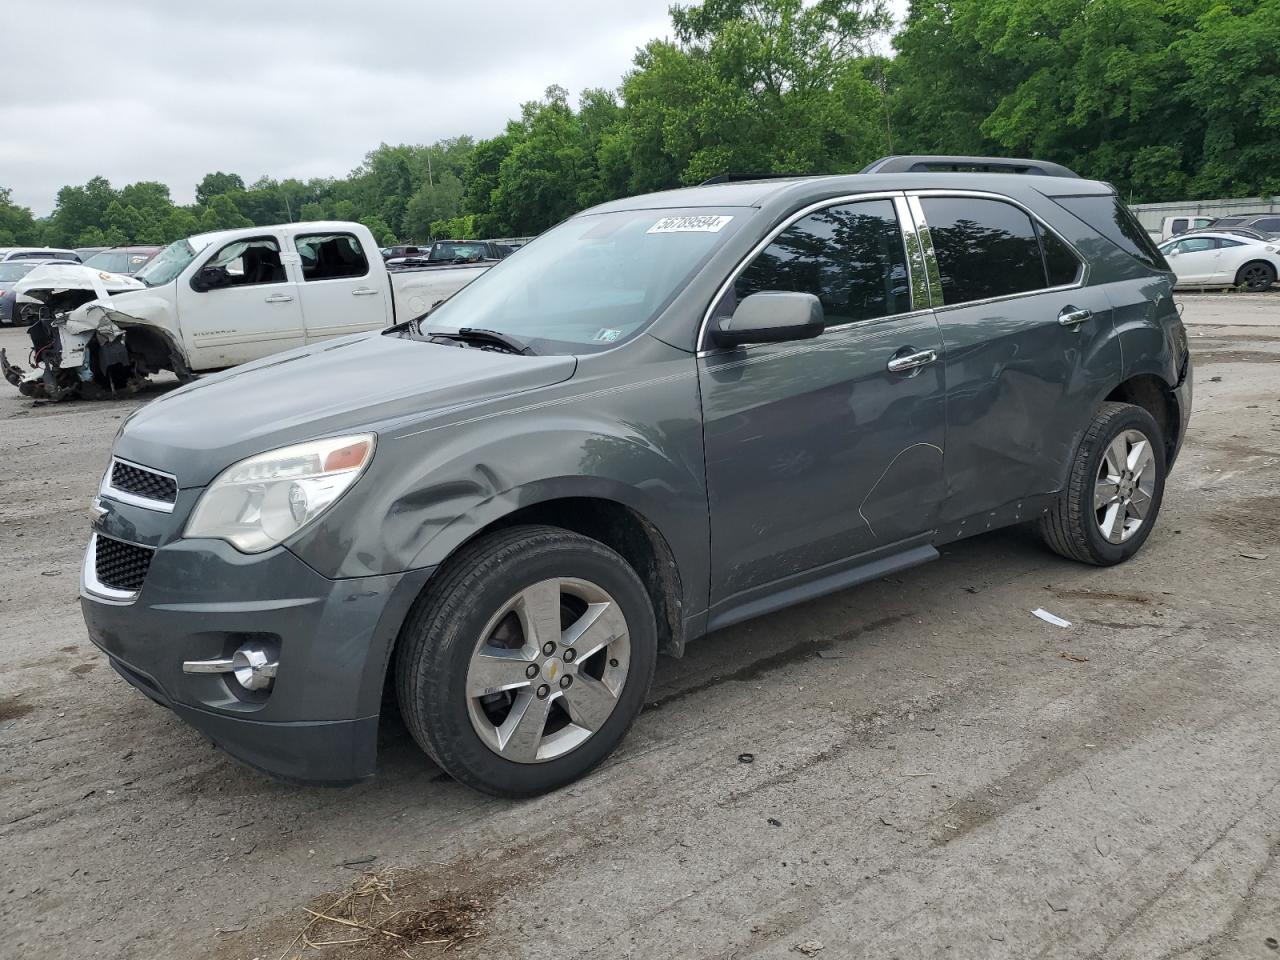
point(666, 415)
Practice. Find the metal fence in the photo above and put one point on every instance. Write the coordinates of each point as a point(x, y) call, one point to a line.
point(1151, 215)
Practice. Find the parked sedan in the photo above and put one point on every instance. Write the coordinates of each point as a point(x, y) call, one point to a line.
point(1205, 259)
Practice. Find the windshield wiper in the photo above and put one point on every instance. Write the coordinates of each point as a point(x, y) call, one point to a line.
point(480, 336)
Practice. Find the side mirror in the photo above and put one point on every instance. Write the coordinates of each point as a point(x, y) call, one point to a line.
point(771, 317)
point(209, 277)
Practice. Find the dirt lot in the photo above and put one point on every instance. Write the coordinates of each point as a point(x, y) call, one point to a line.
point(936, 773)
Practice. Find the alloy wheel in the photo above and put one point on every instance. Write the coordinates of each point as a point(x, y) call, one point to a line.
point(548, 669)
point(1257, 277)
point(1124, 487)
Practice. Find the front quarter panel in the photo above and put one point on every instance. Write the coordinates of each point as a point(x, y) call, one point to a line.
point(628, 432)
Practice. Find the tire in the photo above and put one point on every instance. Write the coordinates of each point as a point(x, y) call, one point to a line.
point(1074, 525)
point(467, 608)
point(1256, 276)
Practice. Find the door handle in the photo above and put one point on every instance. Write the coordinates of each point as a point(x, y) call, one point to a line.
point(1070, 316)
point(364, 292)
point(279, 298)
point(912, 361)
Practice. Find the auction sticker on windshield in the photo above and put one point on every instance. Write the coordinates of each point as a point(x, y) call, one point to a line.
point(707, 224)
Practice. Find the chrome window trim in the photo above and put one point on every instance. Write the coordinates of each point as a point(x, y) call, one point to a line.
point(891, 195)
point(914, 197)
point(91, 586)
point(124, 496)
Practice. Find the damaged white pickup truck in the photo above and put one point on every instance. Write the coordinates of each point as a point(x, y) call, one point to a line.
point(213, 301)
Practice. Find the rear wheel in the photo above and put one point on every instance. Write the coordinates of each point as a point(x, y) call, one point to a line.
point(1256, 276)
point(526, 661)
point(1114, 491)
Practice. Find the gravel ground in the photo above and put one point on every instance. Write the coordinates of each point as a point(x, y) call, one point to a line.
point(936, 773)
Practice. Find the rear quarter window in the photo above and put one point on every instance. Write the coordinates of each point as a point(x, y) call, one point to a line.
point(1107, 214)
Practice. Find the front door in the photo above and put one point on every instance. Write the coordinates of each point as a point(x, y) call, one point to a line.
point(239, 304)
point(1027, 346)
point(1196, 260)
point(823, 450)
point(340, 292)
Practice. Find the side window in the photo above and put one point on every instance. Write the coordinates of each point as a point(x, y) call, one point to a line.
point(1269, 225)
point(330, 256)
point(1196, 244)
point(849, 256)
point(1061, 265)
point(245, 263)
point(985, 248)
point(1230, 243)
point(1178, 226)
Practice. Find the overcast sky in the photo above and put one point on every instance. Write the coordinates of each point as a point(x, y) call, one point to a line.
point(169, 90)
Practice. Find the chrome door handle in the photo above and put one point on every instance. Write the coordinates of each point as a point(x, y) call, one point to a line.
point(364, 292)
point(1070, 316)
point(911, 361)
point(279, 298)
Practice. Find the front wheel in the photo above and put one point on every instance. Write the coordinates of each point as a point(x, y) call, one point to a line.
point(527, 659)
point(1114, 491)
point(1256, 276)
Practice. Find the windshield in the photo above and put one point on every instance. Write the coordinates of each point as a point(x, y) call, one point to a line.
point(168, 263)
point(15, 270)
point(592, 282)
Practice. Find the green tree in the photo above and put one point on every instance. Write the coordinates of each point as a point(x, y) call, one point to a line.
point(217, 184)
point(382, 233)
point(17, 225)
point(221, 214)
point(78, 209)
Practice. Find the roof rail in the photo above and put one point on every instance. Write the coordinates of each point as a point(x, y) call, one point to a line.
point(740, 177)
point(931, 164)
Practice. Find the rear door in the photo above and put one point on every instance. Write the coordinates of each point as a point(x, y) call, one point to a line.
point(249, 310)
point(1024, 340)
point(819, 452)
point(341, 291)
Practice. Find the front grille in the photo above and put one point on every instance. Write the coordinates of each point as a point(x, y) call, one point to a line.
point(119, 565)
point(144, 483)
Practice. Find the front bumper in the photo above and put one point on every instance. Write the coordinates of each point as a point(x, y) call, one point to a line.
point(1183, 394)
point(201, 599)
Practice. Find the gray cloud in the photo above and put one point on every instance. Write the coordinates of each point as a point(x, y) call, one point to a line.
point(169, 90)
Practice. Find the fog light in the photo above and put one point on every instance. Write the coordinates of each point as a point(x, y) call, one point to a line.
point(252, 669)
point(250, 665)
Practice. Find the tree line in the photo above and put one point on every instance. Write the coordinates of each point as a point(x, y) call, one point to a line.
point(1168, 99)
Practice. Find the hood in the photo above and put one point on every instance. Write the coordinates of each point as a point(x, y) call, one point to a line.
point(58, 276)
point(351, 384)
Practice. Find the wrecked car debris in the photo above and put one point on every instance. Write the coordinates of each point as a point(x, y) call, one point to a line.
point(79, 337)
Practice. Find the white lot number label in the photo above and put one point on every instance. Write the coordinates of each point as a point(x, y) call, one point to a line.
point(689, 225)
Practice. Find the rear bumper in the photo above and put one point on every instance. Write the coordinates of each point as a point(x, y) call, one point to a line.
point(201, 599)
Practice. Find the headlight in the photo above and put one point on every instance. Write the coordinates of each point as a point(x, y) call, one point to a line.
point(257, 503)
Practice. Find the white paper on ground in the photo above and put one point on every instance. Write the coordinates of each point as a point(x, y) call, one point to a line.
point(1048, 617)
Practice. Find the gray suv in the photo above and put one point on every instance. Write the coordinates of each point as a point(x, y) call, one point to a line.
point(669, 414)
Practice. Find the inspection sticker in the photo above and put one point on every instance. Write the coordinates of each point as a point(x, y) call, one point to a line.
point(606, 335)
point(689, 225)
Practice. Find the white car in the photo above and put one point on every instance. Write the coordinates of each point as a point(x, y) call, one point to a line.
point(1210, 259)
point(213, 301)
